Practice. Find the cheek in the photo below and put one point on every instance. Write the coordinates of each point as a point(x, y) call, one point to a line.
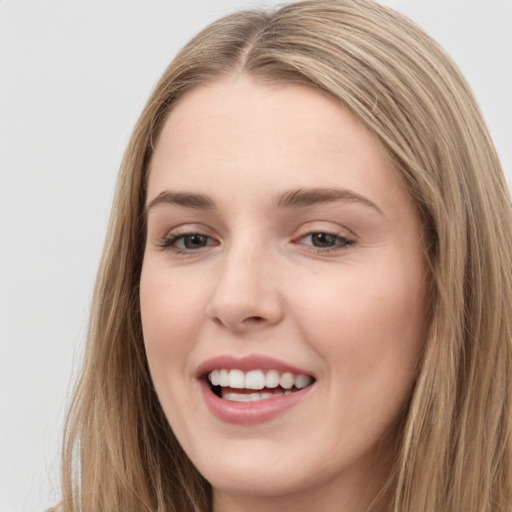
point(368, 326)
point(171, 313)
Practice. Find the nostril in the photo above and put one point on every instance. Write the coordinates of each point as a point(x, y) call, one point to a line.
point(255, 319)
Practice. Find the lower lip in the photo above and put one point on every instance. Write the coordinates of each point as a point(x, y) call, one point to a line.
point(250, 413)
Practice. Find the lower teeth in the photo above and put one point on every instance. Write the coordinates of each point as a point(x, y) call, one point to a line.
point(252, 397)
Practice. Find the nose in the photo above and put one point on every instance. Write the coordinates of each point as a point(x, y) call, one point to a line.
point(247, 294)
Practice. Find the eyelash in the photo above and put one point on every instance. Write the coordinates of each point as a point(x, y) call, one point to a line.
point(169, 242)
point(341, 243)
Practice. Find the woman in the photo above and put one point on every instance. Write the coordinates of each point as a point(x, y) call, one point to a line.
point(304, 301)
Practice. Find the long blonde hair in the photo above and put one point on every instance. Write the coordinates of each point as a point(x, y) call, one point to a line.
point(455, 440)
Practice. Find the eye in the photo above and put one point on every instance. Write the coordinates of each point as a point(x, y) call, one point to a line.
point(187, 242)
point(323, 241)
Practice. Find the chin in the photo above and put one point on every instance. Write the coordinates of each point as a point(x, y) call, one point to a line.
point(258, 481)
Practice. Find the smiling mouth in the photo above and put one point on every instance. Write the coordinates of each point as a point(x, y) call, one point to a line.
point(238, 386)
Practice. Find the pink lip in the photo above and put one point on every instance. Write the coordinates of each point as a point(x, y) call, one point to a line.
point(248, 413)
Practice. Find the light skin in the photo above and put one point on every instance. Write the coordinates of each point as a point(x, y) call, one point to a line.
point(277, 226)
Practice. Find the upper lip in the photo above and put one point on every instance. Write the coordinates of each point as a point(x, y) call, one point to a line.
point(247, 363)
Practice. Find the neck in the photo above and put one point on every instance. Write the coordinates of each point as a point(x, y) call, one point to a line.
point(360, 493)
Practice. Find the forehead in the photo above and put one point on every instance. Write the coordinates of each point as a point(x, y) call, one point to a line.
point(237, 131)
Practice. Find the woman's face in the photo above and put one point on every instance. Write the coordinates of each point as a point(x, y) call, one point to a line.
point(283, 261)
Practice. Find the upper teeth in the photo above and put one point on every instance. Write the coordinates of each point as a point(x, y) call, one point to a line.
point(257, 379)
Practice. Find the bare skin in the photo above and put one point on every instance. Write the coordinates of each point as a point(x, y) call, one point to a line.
point(278, 228)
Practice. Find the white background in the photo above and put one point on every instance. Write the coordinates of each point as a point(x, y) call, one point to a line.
point(74, 75)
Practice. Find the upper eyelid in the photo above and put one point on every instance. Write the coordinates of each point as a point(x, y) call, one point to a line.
point(334, 228)
point(184, 234)
point(330, 227)
point(191, 228)
point(326, 232)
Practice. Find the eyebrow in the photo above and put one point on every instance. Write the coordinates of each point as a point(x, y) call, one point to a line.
point(307, 197)
point(298, 198)
point(187, 199)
